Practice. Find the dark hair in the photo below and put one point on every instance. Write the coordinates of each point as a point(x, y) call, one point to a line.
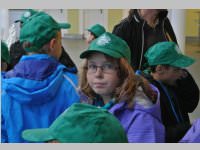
point(43, 50)
point(93, 34)
point(130, 13)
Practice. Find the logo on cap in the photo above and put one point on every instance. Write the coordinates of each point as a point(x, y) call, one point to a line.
point(103, 40)
point(27, 14)
point(178, 49)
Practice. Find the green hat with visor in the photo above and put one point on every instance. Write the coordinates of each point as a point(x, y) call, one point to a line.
point(110, 45)
point(39, 29)
point(5, 53)
point(97, 30)
point(167, 53)
point(80, 123)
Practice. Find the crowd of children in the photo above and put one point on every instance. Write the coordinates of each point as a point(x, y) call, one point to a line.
point(108, 101)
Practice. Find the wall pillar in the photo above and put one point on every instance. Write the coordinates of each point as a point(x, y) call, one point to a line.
point(4, 13)
point(177, 18)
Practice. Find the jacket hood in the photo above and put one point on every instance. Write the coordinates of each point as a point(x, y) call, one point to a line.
point(35, 80)
point(162, 14)
point(142, 103)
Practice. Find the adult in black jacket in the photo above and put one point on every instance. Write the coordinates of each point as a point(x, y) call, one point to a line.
point(143, 28)
point(176, 100)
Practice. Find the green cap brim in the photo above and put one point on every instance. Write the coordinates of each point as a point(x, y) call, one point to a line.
point(37, 135)
point(108, 52)
point(64, 25)
point(183, 61)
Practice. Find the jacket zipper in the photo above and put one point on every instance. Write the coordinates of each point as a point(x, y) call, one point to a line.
point(164, 29)
point(142, 45)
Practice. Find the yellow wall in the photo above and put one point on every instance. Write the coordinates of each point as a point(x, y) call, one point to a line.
point(114, 16)
point(73, 19)
point(192, 24)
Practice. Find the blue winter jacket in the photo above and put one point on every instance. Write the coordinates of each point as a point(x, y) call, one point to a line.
point(34, 93)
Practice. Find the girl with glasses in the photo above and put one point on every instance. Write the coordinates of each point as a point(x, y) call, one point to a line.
point(108, 81)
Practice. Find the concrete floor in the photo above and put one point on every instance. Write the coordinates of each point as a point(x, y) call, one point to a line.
point(75, 47)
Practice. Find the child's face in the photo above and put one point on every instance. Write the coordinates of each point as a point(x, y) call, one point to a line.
point(171, 74)
point(90, 38)
point(102, 74)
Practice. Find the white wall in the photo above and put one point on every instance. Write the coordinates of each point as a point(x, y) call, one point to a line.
point(4, 23)
point(60, 15)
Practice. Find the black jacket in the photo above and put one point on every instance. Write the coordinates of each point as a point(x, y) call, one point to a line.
point(67, 61)
point(185, 98)
point(131, 30)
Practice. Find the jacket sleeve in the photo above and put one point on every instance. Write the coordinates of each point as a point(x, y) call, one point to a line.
point(4, 138)
point(4, 99)
point(72, 87)
point(122, 30)
point(188, 92)
point(146, 129)
point(67, 61)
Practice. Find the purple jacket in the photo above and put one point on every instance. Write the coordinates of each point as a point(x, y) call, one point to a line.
point(193, 134)
point(143, 122)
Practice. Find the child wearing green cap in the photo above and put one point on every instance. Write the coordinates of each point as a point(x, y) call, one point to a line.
point(5, 57)
point(108, 81)
point(166, 71)
point(17, 51)
point(80, 123)
point(94, 32)
point(39, 88)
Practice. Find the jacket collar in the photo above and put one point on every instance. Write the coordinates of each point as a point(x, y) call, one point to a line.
point(34, 67)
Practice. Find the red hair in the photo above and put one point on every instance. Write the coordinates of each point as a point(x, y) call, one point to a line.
point(129, 82)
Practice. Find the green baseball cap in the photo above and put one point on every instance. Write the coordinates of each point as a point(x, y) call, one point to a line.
point(26, 15)
point(167, 53)
point(4, 52)
point(110, 45)
point(80, 123)
point(97, 29)
point(39, 29)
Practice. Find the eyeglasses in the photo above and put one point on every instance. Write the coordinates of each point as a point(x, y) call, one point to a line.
point(176, 69)
point(105, 68)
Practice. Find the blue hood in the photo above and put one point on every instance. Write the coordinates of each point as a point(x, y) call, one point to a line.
point(35, 79)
